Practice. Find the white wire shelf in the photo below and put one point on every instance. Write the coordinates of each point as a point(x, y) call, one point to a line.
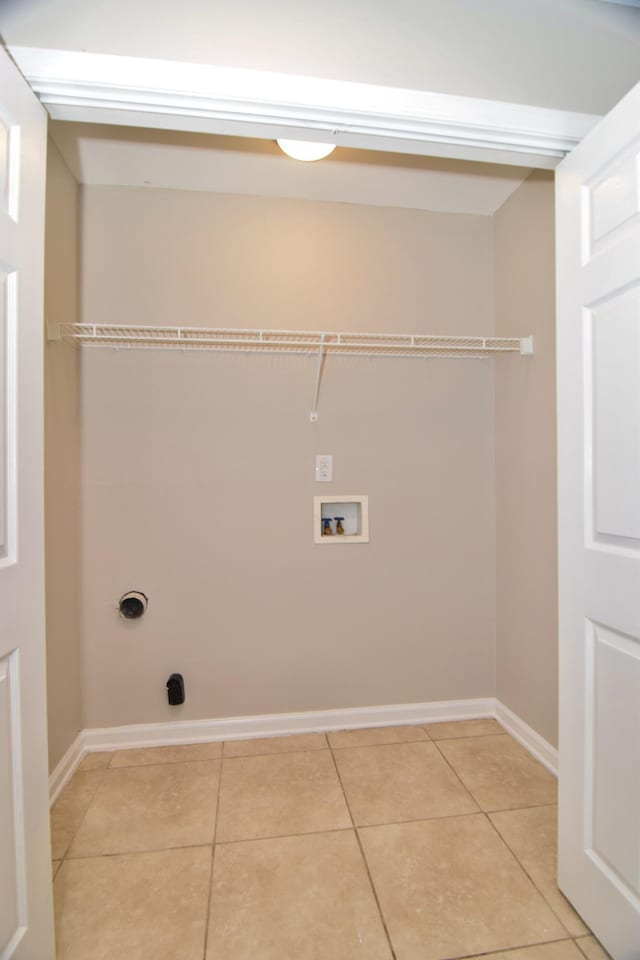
point(289, 341)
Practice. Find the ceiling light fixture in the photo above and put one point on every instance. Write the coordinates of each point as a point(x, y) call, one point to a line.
point(305, 150)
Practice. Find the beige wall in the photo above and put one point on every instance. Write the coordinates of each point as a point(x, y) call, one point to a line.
point(62, 463)
point(198, 468)
point(202, 259)
point(526, 571)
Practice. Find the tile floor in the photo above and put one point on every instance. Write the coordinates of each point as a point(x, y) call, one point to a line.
point(415, 843)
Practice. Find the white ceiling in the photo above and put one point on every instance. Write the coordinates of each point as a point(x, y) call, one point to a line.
point(125, 156)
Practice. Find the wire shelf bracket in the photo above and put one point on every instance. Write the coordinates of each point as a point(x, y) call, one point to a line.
point(306, 343)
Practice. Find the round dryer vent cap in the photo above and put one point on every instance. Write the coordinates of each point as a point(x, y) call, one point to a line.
point(133, 604)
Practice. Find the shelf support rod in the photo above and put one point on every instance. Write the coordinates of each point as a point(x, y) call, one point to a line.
point(321, 354)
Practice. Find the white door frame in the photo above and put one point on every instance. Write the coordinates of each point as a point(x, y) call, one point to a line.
point(26, 910)
point(136, 91)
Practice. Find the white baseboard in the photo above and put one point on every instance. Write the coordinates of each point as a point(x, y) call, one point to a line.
point(66, 767)
point(540, 748)
point(244, 728)
point(281, 724)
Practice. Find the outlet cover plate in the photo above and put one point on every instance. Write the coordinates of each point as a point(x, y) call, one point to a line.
point(324, 468)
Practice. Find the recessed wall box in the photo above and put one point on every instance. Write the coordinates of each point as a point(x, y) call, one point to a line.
point(349, 513)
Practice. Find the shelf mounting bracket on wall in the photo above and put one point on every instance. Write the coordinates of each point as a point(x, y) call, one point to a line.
point(321, 355)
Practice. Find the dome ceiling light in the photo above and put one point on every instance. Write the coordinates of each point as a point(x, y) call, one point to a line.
point(305, 149)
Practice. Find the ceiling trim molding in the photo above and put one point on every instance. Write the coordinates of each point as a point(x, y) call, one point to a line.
point(105, 88)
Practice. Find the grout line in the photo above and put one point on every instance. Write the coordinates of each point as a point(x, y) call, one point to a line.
point(159, 763)
point(530, 875)
point(364, 859)
point(528, 806)
point(587, 936)
point(136, 853)
point(277, 753)
point(213, 857)
point(82, 819)
point(223, 755)
point(403, 823)
point(457, 776)
point(360, 826)
point(386, 743)
point(471, 736)
point(274, 753)
point(504, 951)
point(283, 836)
point(104, 771)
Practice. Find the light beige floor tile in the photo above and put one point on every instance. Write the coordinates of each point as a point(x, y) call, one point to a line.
point(562, 950)
point(70, 808)
point(532, 837)
point(139, 906)
point(150, 808)
point(375, 735)
point(450, 888)
point(463, 728)
point(266, 745)
point(294, 898)
point(181, 753)
point(95, 761)
point(55, 866)
point(500, 773)
point(280, 795)
point(400, 781)
point(592, 949)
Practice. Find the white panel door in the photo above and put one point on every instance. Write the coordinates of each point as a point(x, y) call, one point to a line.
point(598, 234)
point(26, 925)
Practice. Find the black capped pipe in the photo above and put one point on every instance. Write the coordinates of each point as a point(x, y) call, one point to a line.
point(133, 604)
point(175, 689)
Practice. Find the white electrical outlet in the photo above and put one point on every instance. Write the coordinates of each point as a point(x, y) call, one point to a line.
point(324, 467)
